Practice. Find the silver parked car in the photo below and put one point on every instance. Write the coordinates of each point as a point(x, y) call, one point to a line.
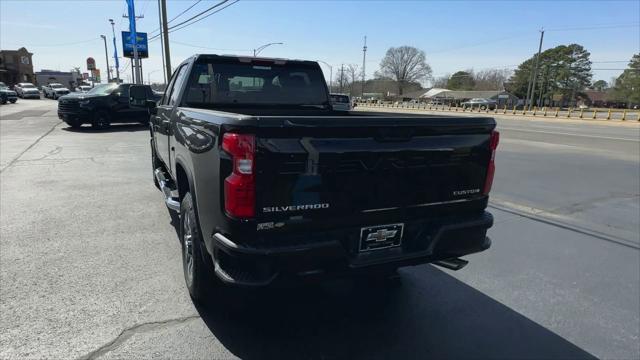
point(341, 102)
point(26, 90)
point(483, 104)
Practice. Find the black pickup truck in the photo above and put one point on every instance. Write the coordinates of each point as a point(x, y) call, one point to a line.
point(103, 105)
point(270, 181)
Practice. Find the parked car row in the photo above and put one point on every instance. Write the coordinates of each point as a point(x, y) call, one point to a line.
point(7, 95)
point(52, 91)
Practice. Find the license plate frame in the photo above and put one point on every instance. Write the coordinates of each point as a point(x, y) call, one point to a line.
point(380, 237)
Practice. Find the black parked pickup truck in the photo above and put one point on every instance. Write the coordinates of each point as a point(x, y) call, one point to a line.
point(271, 182)
point(101, 106)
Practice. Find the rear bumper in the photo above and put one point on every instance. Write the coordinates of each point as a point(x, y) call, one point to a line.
point(335, 252)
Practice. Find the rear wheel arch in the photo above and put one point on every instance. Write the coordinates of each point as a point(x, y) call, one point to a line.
point(184, 181)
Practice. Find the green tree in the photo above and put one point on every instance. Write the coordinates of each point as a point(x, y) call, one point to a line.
point(599, 85)
point(627, 87)
point(461, 80)
point(564, 70)
point(405, 65)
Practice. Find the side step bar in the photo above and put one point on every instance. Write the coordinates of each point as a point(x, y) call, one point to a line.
point(452, 264)
point(169, 198)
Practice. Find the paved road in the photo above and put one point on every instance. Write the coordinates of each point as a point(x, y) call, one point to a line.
point(90, 265)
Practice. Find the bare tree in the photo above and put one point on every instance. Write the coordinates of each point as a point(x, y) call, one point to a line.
point(353, 76)
point(405, 64)
point(441, 81)
point(491, 79)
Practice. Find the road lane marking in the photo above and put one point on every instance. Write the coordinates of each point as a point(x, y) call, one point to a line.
point(568, 134)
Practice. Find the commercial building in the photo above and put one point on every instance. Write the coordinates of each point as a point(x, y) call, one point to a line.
point(69, 79)
point(16, 66)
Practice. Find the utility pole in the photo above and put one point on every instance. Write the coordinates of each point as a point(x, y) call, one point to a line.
point(165, 37)
point(115, 51)
point(535, 70)
point(364, 58)
point(134, 37)
point(106, 57)
point(164, 73)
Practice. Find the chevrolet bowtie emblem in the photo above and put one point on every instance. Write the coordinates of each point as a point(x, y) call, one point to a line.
point(381, 235)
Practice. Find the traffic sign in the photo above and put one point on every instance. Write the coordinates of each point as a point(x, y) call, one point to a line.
point(91, 63)
point(127, 45)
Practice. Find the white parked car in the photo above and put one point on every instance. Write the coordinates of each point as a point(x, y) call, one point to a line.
point(83, 88)
point(341, 102)
point(54, 91)
point(26, 90)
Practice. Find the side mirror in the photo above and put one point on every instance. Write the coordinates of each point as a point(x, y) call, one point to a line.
point(138, 96)
point(151, 106)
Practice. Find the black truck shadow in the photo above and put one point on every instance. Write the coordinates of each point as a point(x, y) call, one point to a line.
point(118, 127)
point(427, 314)
point(431, 315)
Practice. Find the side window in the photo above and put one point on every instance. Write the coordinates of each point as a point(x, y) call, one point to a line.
point(123, 90)
point(175, 92)
point(169, 88)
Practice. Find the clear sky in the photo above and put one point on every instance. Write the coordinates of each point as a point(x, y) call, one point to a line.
point(455, 35)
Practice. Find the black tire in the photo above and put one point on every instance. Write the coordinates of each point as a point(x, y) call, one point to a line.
point(3, 101)
point(74, 123)
point(198, 273)
point(101, 120)
point(13, 101)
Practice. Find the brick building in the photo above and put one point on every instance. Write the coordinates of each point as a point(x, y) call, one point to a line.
point(16, 66)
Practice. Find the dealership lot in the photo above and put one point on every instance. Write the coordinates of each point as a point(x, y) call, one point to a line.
point(90, 262)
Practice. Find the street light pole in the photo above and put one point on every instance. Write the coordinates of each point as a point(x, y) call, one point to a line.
point(330, 75)
point(106, 57)
point(115, 51)
point(257, 51)
point(151, 72)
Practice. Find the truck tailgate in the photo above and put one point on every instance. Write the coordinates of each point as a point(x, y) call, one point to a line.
point(342, 167)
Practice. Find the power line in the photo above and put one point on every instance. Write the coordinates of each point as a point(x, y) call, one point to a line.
point(144, 8)
point(176, 28)
point(198, 14)
point(177, 16)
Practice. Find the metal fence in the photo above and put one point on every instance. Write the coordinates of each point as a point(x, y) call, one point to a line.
point(548, 112)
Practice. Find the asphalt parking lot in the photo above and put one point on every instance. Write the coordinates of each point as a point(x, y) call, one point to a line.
point(90, 262)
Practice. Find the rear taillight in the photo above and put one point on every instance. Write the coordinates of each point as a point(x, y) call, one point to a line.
point(491, 169)
point(240, 186)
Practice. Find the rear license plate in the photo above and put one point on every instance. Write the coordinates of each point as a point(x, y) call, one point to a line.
point(381, 237)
